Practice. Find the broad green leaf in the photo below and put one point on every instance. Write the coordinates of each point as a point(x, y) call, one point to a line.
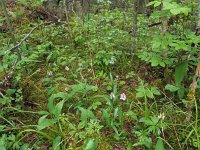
point(56, 143)
point(140, 94)
point(157, 3)
point(10, 91)
point(43, 122)
point(171, 88)
point(149, 94)
point(129, 147)
point(85, 115)
point(58, 108)
point(180, 72)
point(159, 145)
point(106, 117)
point(61, 95)
point(90, 144)
point(181, 92)
point(151, 3)
point(155, 90)
point(186, 10)
point(2, 147)
point(175, 11)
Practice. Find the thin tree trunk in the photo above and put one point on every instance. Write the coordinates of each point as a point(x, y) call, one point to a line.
point(11, 29)
point(134, 32)
point(198, 21)
point(10, 26)
point(191, 94)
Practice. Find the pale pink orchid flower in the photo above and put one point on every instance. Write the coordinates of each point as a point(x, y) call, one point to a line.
point(123, 97)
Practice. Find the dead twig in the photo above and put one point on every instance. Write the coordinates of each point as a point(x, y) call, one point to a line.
point(27, 36)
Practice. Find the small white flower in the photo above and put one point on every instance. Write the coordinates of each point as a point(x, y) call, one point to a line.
point(161, 116)
point(123, 96)
point(112, 61)
point(112, 95)
point(67, 68)
point(117, 77)
point(49, 73)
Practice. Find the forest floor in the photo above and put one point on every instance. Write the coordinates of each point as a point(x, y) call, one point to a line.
point(77, 86)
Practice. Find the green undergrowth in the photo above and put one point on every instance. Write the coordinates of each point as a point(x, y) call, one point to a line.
point(78, 86)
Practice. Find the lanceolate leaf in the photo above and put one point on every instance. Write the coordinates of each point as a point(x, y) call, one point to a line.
point(60, 95)
point(44, 122)
point(180, 72)
point(58, 108)
point(159, 145)
point(90, 144)
point(171, 88)
point(56, 143)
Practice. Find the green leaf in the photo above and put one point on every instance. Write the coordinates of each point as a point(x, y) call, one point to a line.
point(175, 11)
point(116, 112)
point(149, 94)
point(140, 94)
point(43, 122)
point(43, 112)
point(158, 3)
point(180, 72)
point(25, 147)
point(121, 120)
point(58, 108)
point(90, 144)
point(159, 145)
point(171, 88)
point(2, 147)
point(181, 92)
point(95, 105)
point(85, 115)
point(155, 3)
point(2, 127)
point(155, 90)
point(106, 117)
point(56, 143)
point(132, 114)
point(51, 105)
point(150, 3)
point(10, 91)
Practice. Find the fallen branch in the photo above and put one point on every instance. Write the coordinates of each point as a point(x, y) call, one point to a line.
point(154, 24)
point(27, 36)
point(7, 79)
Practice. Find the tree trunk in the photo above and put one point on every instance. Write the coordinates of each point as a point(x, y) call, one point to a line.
point(134, 32)
point(11, 29)
point(198, 19)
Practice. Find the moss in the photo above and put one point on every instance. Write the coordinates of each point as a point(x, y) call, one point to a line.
point(34, 94)
point(2, 74)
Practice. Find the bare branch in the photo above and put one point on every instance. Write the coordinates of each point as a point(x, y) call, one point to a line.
point(27, 36)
